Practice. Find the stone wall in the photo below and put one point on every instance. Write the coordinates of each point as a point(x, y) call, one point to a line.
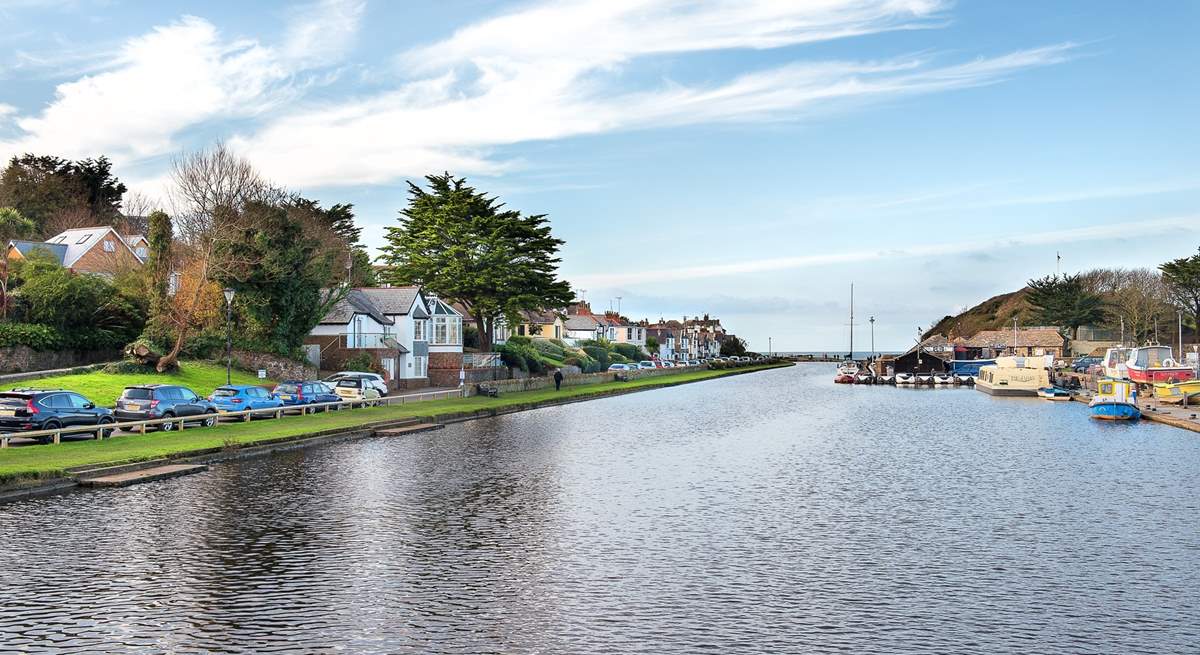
point(278, 368)
point(544, 382)
point(20, 359)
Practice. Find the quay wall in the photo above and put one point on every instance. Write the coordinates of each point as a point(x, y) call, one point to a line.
point(578, 379)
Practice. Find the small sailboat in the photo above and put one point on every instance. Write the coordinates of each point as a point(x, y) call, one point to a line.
point(1115, 400)
point(943, 379)
point(887, 379)
point(905, 379)
point(925, 378)
point(1178, 393)
point(1053, 393)
point(966, 380)
point(864, 378)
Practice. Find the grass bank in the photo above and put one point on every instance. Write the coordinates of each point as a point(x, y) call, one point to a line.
point(104, 388)
point(50, 461)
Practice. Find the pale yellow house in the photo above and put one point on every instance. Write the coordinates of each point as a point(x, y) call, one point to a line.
point(541, 325)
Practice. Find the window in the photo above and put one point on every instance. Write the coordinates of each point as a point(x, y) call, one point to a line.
point(78, 401)
point(141, 252)
point(83, 239)
point(109, 246)
point(629, 334)
point(419, 367)
point(447, 330)
point(419, 330)
point(521, 329)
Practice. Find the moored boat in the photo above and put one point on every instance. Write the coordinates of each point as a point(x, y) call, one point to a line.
point(906, 379)
point(1115, 400)
point(843, 378)
point(943, 379)
point(886, 379)
point(1114, 363)
point(1013, 376)
point(924, 378)
point(1178, 392)
point(1054, 393)
point(1154, 364)
point(864, 378)
point(968, 380)
point(969, 367)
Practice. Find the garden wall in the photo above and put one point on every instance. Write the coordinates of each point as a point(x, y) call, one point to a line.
point(544, 382)
point(21, 359)
point(278, 368)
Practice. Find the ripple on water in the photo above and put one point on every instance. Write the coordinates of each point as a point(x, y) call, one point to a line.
point(766, 513)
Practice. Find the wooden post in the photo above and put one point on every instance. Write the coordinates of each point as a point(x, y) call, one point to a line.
point(4, 441)
point(246, 416)
point(57, 438)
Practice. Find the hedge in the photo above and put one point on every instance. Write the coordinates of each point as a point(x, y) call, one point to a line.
point(37, 337)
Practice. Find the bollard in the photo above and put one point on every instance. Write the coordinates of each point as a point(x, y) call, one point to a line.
point(246, 417)
point(4, 441)
point(143, 428)
point(57, 438)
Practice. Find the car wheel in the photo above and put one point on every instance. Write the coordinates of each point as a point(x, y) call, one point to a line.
point(170, 425)
point(106, 432)
point(209, 420)
point(49, 425)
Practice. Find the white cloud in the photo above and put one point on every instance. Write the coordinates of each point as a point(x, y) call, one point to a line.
point(1073, 235)
point(534, 75)
point(178, 76)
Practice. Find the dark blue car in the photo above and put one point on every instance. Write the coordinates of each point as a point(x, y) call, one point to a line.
point(24, 410)
point(294, 393)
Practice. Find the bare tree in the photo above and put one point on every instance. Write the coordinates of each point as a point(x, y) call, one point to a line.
point(135, 211)
point(211, 187)
point(70, 219)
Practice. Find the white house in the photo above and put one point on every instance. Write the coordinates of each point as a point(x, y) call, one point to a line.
point(413, 340)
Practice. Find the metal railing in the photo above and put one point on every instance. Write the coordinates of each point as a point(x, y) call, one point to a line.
point(98, 430)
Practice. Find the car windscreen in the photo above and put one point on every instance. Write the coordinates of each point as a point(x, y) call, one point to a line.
point(350, 384)
point(138, 393)
point(225, 393)
point(287, 388)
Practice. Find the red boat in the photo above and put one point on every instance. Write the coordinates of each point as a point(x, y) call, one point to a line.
point(844, 379)
point(1154, 365)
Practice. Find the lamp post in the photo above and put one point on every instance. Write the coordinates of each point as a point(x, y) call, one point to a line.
point(228, 334)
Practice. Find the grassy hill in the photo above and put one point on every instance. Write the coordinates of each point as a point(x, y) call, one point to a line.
point(995, 313)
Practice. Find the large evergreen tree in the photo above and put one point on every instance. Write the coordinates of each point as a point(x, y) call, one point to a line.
point(158, 268)
point(1182, 277)
point(45, 187)
point(1064, 301)
point(466, 247)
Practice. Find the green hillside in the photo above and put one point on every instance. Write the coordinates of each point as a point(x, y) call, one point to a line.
point(995, 313)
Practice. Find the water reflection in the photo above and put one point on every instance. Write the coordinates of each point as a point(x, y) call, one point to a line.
point(773, 512)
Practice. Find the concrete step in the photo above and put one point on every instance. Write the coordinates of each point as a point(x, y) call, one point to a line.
point(408, 429)
point(145, 475)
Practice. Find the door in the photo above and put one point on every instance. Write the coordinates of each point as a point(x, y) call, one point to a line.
point(389, 368)
point(75, 409)
point(187, 402)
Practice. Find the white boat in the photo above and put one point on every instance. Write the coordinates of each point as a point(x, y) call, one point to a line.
point(964, 379)
point(1115, 363)
point(848, 368)
point(864, 378)
point(1013, 376)
point(943, 379)
point(905, 378)
point(924, 378)
point(887, 379)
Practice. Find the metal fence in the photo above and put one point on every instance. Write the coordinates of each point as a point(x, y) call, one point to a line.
point(106, 429)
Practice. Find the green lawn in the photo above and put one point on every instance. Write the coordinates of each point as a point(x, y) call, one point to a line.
point(104, 388)
point(52, 460)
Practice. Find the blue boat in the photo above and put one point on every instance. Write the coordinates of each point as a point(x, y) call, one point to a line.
point(1054, 393)
point(969, 366)
point(1115, 400)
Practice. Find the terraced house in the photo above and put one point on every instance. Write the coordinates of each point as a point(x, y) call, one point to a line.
point(413, 339)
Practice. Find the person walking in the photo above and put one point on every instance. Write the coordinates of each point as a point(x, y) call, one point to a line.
point(558, 378)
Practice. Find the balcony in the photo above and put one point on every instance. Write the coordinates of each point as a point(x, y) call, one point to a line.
point(371, 341)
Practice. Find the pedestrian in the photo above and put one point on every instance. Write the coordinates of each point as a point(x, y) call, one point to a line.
point(558, 377)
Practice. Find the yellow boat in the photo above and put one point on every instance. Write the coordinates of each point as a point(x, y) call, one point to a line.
point(1177, 392)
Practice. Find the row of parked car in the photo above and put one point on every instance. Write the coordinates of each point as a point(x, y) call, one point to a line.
point(28, 409)
point(660, 363)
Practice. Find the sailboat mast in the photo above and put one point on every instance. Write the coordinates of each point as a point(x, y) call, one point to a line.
point(851, 320)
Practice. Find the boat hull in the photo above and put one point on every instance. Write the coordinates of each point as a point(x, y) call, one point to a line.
point(1054, 393)
point(1160, 375)
point(1002, 390)
point(1115, 411)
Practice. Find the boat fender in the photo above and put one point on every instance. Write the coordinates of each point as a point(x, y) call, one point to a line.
point(1168, 363)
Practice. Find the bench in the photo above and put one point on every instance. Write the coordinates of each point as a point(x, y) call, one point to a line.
point(490, 392)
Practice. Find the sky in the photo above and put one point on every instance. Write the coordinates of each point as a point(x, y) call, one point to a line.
point(747, 159)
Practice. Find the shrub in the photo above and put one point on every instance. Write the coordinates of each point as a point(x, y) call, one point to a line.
point(37, 337)
point(519, 340)
point(560, 343)
point(130, 367)
point(628, 351)
point(599, 354)
point(546, 348)
point(205, 345)
point(359, 362)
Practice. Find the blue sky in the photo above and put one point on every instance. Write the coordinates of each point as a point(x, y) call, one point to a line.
point(747, 159)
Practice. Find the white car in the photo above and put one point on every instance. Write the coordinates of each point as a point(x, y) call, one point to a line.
point(373, 379)
point(646, 364)
point(619, 367)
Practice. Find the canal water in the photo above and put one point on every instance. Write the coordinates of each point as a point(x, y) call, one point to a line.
point(764, 513)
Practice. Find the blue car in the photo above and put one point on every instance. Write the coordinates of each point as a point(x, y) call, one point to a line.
point(240, 397)
point(295, 393)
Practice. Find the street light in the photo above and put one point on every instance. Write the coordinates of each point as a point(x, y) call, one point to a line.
point(228, 334)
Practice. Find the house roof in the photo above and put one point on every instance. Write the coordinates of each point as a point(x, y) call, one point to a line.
point(58, 250)
point(379, 303)
point(1025, 338)
point(80, 240)
point(539, 316)
point(582, 322)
